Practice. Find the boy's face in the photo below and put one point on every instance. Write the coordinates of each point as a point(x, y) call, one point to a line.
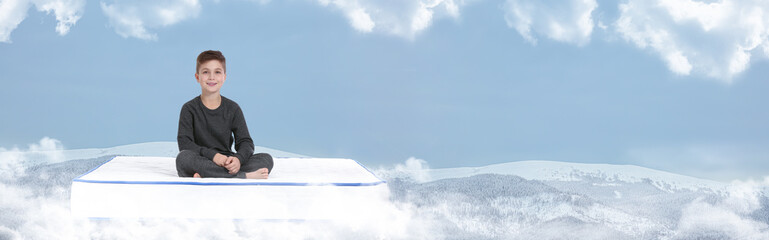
point(211, 76)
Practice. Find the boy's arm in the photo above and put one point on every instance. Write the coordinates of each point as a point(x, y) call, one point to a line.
point(185, 137)
point(244, 145)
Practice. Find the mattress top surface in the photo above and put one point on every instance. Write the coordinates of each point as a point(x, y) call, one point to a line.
point(286, 172)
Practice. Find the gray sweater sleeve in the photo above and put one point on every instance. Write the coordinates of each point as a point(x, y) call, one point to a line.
point(244, 145)
point(185, 137)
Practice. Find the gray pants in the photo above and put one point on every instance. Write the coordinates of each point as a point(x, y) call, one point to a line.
point(188, 163)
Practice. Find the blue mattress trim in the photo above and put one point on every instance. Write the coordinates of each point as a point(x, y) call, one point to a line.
point(230, 183)
point(269, 220)
point(79, 179)
point(94, 169)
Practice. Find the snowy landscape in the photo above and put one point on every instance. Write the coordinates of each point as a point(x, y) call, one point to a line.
point(514, 200)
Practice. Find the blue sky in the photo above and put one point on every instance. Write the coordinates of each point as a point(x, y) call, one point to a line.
point(672, 85)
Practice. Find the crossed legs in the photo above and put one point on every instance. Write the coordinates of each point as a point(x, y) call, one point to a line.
point(191, 164)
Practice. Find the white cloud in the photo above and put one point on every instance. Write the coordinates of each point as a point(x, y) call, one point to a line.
point(67, 12)
point(727, 218)
point(12, 12)
point(360, 20)
point(14, 161)
point(709, 221)
point(133, 18)
point(257, 1)
point(566, 21)
point(404, 18)
point(678, 63)
point(717, 39)
point(414, 168)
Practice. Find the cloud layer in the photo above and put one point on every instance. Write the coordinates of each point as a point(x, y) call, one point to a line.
point(12, 12)
point(568, 21)
point(403, 18)
point(15, 160)
point(728, 218)
point(717, 39)
point(132, 18)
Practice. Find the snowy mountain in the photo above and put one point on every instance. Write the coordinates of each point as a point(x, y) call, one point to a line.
point(552, 200)
point(531, 170)
point(572, 172)
point(515, 200)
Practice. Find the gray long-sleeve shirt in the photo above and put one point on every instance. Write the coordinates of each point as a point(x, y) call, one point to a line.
point(208, 132)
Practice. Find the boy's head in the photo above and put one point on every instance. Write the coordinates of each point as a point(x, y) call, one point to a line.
point(209, 55)
point(210, 71)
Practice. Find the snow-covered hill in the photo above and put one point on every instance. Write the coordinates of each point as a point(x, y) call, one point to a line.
point(531, 170)
point(514, 200)
point(600, 175)
point(608, 174)
point(553, 200)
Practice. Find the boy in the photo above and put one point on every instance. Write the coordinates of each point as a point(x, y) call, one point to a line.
point(207, 124)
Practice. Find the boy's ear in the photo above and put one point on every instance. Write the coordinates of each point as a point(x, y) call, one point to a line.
point(196, 77)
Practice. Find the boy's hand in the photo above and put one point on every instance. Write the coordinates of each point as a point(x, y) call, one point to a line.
point(232, 164)
point(220, 159)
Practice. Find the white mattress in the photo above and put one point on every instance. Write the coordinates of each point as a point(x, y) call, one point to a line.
point(298, 189)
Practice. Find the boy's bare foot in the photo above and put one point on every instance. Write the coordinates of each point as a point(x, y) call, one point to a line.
point(261, 173)
point(196, 175)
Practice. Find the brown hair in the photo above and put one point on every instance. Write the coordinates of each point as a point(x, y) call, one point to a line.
point(209, 55)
